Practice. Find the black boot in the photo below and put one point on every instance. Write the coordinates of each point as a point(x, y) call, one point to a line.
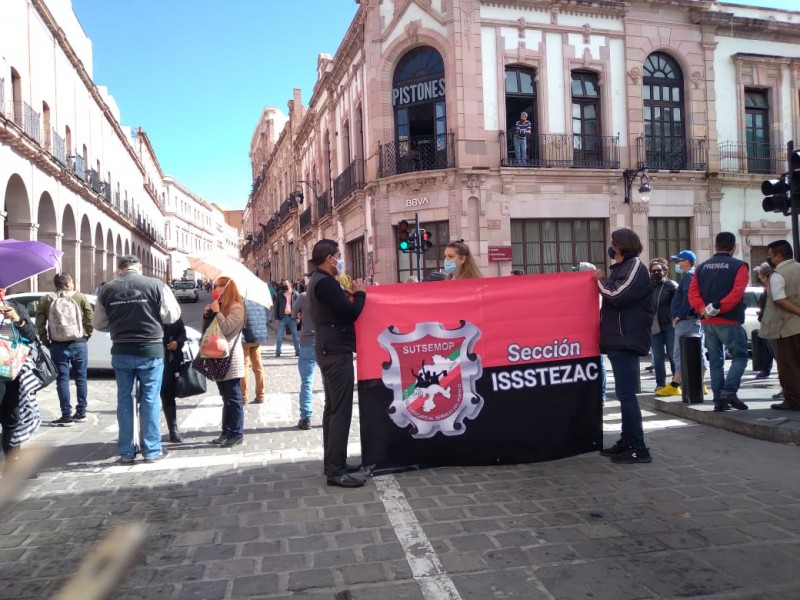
point(171, 415)
point(175, 435)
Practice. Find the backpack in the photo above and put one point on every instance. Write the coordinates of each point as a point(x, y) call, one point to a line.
point(64, 319)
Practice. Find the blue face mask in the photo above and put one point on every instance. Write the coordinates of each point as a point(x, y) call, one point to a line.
point(450, 266)
point(678, 269)
point(612, 254)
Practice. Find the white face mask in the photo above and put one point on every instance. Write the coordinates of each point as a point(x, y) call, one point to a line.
point(340, 266)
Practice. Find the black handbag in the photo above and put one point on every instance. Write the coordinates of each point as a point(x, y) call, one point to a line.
point(189, 381)
point(46, 371)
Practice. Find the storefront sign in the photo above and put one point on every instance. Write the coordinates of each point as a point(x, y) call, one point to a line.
point(404, 203)
point(499, 253)
point(479, 371)
point(412, 202)
point(418, 92)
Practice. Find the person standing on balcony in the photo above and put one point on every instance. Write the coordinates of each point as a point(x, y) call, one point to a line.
point(522, 131)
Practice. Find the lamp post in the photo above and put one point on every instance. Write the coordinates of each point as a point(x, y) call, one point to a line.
point(298, 194)
point(644, 187)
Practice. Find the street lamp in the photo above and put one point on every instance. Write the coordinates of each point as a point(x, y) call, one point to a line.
point(644, 185)
point(298, 194)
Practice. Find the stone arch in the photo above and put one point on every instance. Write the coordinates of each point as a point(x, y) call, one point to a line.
point(17, 205)
point(99, 255)
point(86, 279)
point(111, 256)
point(48, 233)
point(127, 248)
point(70, 243)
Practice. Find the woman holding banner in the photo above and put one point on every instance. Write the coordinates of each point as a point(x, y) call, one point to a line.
point(459, 262)
point(626, 317)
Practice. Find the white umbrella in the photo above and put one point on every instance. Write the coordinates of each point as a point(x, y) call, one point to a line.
point(214, 265)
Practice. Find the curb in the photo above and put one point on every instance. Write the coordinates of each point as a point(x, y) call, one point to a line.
point(768, 433)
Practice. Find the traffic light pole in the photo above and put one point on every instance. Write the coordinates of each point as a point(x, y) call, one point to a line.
point(795, 196)
point(417, 246)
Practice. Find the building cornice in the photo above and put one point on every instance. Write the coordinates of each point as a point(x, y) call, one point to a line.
point(727, 24)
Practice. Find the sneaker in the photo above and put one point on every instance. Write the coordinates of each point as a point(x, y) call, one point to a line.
point(784, 406)
point(79, 417)
point(632, 456)
point(220, 439)
point(705, 391)
point(778, 396)
point(304, 424)
point(669, 390)
point(62, 422)
point(617, 448)
point(126, 461)
point(234, 440)
point(734, 401)
point(259, 401)
point(762, 375)
point(151, 459)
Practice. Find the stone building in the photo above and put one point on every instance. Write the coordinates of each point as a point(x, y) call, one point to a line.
point(416, 114)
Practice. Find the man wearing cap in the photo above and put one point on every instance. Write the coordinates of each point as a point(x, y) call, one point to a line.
point(716, 293)
point(133, 308)
point(685, 320)
point(781, 320)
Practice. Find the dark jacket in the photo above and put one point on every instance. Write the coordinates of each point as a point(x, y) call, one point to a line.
point(721, 281)
point(333, 314)
point(681, 307)
point(255, 327)
point(28, 330)
point(626, 316)
point(175, 332)
point(663, 292)
point(280, 304)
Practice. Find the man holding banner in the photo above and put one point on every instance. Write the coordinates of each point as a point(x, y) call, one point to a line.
point(334, 316)
point(626, 317)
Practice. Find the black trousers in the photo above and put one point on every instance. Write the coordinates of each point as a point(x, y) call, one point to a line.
point(788, 349)
point(9, 411)
point(339, 377)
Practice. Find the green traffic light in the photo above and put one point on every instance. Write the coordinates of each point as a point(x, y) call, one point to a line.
point(404, 245)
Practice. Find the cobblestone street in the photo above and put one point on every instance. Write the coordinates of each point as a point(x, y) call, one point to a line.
point(716, 515)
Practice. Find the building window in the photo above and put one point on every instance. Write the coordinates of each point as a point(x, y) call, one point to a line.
point(418, 98)
point(431, 261)
point(668, 236)
point(586, 118)
point(355, 259)
point(756, 123)
point(555, 245)
point(521, 98)
point(664, 128)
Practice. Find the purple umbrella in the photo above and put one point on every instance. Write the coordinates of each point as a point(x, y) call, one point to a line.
point(20, 260)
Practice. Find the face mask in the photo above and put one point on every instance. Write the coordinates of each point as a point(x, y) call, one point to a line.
point(450, 266)
point(770, 263)
point(340, 266)
point(216, 294)
point(656, 277)
point(612, 254)
point(678, 269)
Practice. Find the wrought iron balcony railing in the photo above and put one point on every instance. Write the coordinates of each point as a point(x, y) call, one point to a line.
point(672, 154)
point(78, 166)
point(106, 191)
point(323, 204)
point(283, 213)
point(116, 200)
point(59, 148)
point(305, 220)
point(2, 97)
point(751, 158)
point(418, 153)
point(94, 180)
point(560, 150)
point(29, 120)
point(351, 179)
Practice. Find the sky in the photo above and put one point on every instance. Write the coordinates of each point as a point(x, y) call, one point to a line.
point(196, 74)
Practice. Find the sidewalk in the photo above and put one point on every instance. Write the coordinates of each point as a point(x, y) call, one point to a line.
point(759, 422)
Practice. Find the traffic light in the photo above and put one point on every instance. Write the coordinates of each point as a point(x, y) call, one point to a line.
point(403, 238)
point(778, 194)
point(794, 176)
point(425, 242)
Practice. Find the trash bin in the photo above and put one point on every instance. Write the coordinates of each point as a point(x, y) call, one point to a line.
point(758, 350)
point(691, 369)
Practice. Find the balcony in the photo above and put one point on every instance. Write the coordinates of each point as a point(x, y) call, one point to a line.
point(351, 179)
point(29, 120)
point(59, 148)
point(323, 205)
point(565, 151)
point(106, 191)
point(283, 213)
point(418, 153)
point(305, 220)
point(94, 180)
point(671, 154)
point(751, 158)
point(2, 97)
point(116, 200)
point(78, 166)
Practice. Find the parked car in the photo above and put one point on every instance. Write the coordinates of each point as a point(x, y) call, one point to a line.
point(185, 291)
point(751, 295)
point(99, 342)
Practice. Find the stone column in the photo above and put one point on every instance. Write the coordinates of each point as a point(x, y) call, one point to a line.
point(45, 280)
point(87, 282)
point(25, 232)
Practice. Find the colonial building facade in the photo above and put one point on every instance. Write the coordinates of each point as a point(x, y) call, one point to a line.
point(70, 174)
point(416, 115)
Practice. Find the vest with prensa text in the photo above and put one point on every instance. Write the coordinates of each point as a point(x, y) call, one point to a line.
point(716, 278)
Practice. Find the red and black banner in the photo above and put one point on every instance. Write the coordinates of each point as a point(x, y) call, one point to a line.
point(480, 371)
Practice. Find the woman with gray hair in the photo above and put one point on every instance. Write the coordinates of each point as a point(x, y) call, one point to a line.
point(763, 272)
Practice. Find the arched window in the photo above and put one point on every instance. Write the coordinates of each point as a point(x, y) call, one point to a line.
point(521, 98)
point(756, 123)
point(418, 98)
point(664, 126)
point(587, 149)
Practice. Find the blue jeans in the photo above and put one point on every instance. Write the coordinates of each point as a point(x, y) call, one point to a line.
point(232, 407)
point(665, 337)
point(291, 324)
point(521, 149)
point(149, 371)
point(718, 338)
point(74, 357)
point(626, 373)
point(306, 365)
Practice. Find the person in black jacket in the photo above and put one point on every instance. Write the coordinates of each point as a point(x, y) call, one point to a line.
point(174, 339)
point(334, 315)
point(626, 317)
point(662, 331)
point(12, 312)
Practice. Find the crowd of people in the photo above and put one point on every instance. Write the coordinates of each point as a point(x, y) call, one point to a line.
point(642, 311)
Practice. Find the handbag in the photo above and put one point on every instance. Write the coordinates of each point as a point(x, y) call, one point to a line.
point(213, 343)
point(45, 369)
point(215, 369)
point(13, 353)
point(189, 381)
